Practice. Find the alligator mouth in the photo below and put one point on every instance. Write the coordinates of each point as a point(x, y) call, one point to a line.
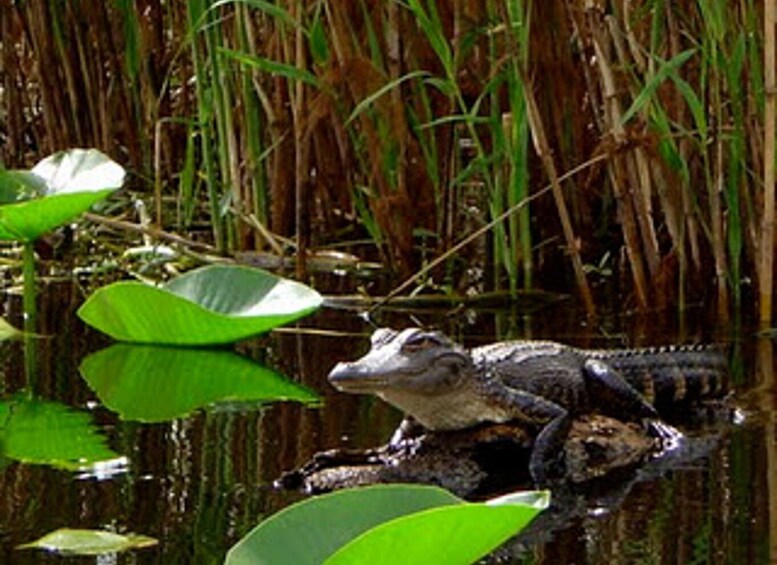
point(368, 385)
point(347, 379)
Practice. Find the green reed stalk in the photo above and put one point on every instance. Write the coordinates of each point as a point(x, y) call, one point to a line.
point(132, 50)
point(30, 306)
point(221, 92)
point(187, 178)
point(29, 298)
point(713, 18)
point(735, 181)
point(254, 128)
point(502, 250)
point(196, 14)
point(428, 21)
point(519, 22)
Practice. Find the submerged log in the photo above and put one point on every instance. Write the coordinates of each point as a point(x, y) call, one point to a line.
point(478, 461)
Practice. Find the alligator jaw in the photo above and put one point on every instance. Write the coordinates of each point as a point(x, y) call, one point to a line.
point(348, 377)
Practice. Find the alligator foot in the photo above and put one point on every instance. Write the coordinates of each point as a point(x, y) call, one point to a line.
point(666, 434)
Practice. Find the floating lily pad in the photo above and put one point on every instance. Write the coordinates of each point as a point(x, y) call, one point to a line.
point(211, 305)
point(386, 524)
point(88, 542)
point(153, 384)
point(48, 433)
point(55, 191)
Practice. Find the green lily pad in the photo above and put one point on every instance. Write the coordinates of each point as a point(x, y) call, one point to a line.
point(48, 433)
point(211, 305)
point(462, 533)
point(20, 185)
point(88, 542)
point(311, 530)
point(386, 524)
point(55, 191)
point(153, 384)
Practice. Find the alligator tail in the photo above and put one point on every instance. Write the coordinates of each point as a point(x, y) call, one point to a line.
point(674, 374)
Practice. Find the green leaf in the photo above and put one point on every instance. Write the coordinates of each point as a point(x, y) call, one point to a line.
point(18, 185)
point(274, 11)
point(216, 304)
point(289, 72)
point(386, 524)
point(48, 433)
point(317, 43)
point(666, 70)
point(461, 533)
point(311, 530)
point(432, 28)
point(695, 105)
point(88, 542)
point(391, 85)
point(55, 191)
point(154, 384)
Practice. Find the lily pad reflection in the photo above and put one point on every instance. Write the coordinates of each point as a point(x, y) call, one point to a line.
point(147, 383)
point(48, 433)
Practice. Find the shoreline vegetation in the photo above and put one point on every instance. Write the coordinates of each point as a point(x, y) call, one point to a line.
point(487, 145)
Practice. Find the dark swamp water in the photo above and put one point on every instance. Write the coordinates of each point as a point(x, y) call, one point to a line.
point(199, 483)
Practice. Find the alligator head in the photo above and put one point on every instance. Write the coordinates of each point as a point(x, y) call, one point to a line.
point(411, 360)
point(420, 372)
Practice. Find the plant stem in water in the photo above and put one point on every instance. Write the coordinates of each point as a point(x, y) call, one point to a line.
point(30, 313)
point(28, 271)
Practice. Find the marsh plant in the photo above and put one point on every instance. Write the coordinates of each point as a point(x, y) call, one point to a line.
point(634, 130)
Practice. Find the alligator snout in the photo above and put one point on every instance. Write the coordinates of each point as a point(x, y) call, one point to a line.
point(350, 377)
point(338, 374)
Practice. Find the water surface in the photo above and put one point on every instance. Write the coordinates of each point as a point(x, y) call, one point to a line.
point(199, 483)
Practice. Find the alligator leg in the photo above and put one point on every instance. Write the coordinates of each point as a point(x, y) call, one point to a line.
point(408, 428)
point(618, 399)
point(613, 395)
point(555, 422)
point(547, 447)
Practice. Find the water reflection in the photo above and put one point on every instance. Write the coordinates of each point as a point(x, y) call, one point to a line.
point(41, 432)
point(200, 482)
point(146, 383)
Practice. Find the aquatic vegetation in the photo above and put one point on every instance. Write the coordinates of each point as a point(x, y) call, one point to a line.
point(49, 433)
point(72, 542)
point(211, 305)
point(410, 125)
point(53, 192)
point(388, 524)
point(145, 383)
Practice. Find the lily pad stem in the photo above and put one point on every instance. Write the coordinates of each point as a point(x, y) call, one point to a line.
point(28, 271)
point(30, 312)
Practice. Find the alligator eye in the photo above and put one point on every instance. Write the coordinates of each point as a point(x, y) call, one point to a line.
point(420, 342)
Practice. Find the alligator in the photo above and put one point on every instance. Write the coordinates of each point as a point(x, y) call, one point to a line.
point(540, 384)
